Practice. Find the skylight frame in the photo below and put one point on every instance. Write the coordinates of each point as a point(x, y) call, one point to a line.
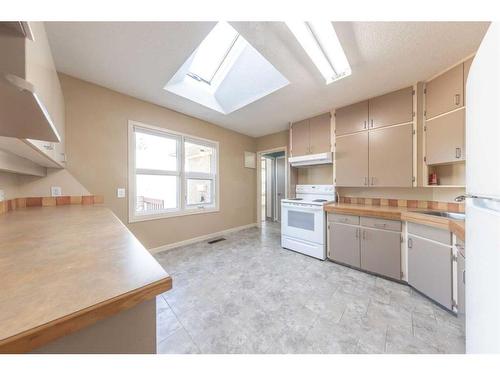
point(223, 59)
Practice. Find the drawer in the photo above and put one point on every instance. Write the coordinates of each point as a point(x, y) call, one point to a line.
point(431, 233)
point(345, 219)
point(373, 222)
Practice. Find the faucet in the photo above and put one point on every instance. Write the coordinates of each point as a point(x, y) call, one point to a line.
point(460, 198)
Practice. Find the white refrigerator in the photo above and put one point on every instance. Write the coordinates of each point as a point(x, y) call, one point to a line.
point(483, 198)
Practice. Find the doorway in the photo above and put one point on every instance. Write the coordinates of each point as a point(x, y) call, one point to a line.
point(272, 185)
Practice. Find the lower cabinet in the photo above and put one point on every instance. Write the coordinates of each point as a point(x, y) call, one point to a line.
point(359, 243)
point(381, 252)
point(344, 244)
point(430, 269)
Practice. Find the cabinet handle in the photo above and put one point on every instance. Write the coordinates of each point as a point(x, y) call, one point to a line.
point(457, 99)
point(458, 152)
point(371, 123)
point(410, 243)
point(357, 233)
point(364, 234)
point(463, 276)
point(376, 225)
point(364, 124)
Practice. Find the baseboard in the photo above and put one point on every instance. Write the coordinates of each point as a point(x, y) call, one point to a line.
point(205, 237)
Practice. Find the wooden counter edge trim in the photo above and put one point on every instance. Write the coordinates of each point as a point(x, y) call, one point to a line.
point(38, 336)
point(362, 211)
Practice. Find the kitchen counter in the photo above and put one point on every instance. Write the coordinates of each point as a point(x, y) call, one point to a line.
point(413, 215)
point(65, 268)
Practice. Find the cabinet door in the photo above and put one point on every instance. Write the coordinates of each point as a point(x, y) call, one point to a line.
point(445, 138)
point(300, 138)
point(391, 109)
point(351, 160)
point(391, 156)
point(381, 252)
point(445, 93)
point(320, 134)
point(429, 269)
point(344, 244)
point(352, 118)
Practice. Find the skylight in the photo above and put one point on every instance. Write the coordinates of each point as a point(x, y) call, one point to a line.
point(225, 73)
point(212, 52)
point(321, 43)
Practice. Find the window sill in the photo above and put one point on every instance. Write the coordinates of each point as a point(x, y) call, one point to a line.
point(166, 215)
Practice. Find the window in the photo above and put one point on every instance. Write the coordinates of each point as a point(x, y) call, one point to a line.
point(170, 174)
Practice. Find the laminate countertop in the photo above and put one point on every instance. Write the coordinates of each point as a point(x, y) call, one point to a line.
point(413, 215)
point(64, 268)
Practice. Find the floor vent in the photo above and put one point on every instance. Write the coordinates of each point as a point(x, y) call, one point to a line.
point(215, 240)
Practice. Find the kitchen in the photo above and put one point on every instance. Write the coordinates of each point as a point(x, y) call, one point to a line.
point(155, 167)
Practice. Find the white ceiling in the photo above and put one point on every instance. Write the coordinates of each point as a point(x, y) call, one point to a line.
point(139, 58)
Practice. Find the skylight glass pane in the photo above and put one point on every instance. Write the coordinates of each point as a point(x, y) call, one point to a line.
point(212, 51)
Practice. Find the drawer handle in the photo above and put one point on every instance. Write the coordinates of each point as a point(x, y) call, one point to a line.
point(458, 152)
point(457, 99)
point(410, 243)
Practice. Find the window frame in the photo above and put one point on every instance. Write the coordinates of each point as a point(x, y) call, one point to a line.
point(182, 176)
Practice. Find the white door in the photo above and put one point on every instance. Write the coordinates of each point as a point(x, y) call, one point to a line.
point(280, 184)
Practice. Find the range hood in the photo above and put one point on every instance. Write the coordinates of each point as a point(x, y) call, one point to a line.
point(312, 159)
point(22, 112)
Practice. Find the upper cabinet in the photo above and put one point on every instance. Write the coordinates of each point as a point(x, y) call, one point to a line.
point(31, 101)
point(352, 118)
point(311, 136)
point(374, 145)
point(391, 109)
point(445, 92)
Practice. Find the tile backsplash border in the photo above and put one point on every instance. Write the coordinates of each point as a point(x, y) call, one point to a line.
point(409, 203)
point(17, 203)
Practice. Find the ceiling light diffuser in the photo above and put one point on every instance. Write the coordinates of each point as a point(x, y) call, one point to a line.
point(320, 41)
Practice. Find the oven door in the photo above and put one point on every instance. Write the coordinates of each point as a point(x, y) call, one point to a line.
point(305, 222)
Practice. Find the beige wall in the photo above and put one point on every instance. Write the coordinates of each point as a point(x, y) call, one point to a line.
point(315, 175)
point(96, 144)
point(271, 141)
point(9, 184)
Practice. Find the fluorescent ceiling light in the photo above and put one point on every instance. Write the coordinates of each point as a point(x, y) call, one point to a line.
point(321, 43)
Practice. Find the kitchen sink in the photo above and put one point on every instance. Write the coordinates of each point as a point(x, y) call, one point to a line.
point(449, 215)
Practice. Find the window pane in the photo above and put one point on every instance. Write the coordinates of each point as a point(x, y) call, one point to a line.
point(199, 191)
point(155, 152)
point(198, 158)
point(155, 193)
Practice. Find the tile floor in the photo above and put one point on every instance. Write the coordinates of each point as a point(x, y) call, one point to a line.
point(248, 295)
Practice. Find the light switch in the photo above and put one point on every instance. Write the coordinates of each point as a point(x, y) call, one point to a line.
point(56, 191)
point(120, 192)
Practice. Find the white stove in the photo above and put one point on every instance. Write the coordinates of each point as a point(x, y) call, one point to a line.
point(303, 220)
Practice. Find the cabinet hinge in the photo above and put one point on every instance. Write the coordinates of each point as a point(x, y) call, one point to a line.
point(402, 239)
point(401, 274)
point(413, 131)
point(413, 179)
point(335, 180)
point(425, 158)
point(425, 128)
point(454, 258)
point(425, 114)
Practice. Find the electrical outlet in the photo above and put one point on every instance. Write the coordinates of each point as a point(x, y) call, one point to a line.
point(56, 191)
point(120, 192)
point(2, 195)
